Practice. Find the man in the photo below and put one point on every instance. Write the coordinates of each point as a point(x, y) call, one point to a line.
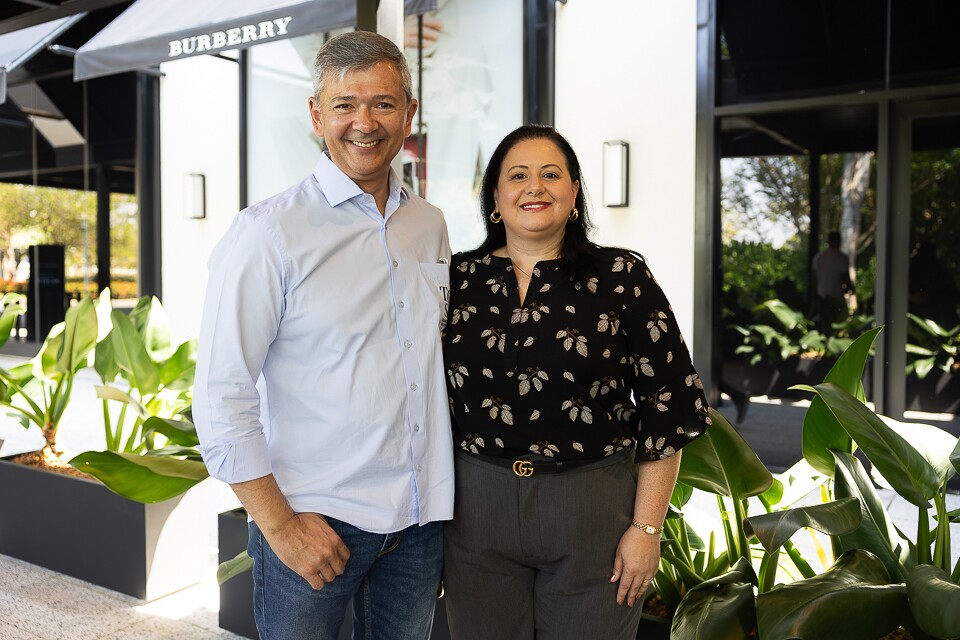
point(831, 277)
point(334, 291)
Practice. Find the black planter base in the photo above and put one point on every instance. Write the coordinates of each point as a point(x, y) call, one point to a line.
point(654, 627)
point(80, 528)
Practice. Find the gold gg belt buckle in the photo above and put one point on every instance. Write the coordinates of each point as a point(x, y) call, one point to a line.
point(523, 468)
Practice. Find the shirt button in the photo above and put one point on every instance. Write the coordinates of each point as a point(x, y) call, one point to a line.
point(416, 427)
point(419, 468)
point(396, 264)
point(407, 344)
point(413, 387)
point(400, 304)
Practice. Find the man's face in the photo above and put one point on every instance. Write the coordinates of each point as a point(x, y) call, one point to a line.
point(363, 117)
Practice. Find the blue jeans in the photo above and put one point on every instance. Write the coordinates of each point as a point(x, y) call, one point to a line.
point(392, 580)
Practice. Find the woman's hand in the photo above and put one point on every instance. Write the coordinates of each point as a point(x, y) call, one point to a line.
point(635, 565)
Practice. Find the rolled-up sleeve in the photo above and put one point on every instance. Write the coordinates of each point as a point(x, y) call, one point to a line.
point(241, 314)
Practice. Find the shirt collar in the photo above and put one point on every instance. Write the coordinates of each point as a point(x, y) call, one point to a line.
point(338, 187)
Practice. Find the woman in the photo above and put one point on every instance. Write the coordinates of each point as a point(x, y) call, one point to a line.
point(560, 354)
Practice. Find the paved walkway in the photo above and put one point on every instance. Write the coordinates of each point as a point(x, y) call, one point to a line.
point(37, 604)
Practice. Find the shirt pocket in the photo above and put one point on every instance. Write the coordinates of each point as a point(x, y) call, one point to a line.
point(435, 286)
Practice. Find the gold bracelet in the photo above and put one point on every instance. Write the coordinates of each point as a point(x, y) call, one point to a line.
point(647, 528)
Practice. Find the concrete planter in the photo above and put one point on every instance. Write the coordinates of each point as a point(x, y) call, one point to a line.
point(80, 528)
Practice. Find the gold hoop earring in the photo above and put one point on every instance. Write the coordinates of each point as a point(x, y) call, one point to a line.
point(573, 215)
point(495, 217)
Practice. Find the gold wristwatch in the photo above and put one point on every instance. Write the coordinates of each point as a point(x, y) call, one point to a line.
point(647, 528)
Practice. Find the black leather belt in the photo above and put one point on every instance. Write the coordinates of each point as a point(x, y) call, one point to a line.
point(525, 468)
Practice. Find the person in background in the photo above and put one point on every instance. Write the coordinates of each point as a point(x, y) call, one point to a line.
point(831, 281)
point(335, 291)
point(565, 369)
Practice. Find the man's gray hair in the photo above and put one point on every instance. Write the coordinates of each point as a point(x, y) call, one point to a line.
point(356, 51)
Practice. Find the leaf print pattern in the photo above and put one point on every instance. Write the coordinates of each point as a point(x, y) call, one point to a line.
point(495, 338)
point(496, 285)
point(614, 376)
point(472, 443)
point(544, 448)
point(457, 374)
point(532, 378)
point(609, 321)
point(498, 407)
point(571, 337)
point(656, 325)
point(577, 408)
point(462, 313)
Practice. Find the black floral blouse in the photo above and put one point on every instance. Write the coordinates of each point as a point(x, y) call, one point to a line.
point(579, 372)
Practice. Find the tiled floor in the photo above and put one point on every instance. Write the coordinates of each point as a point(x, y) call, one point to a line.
point(38, 604)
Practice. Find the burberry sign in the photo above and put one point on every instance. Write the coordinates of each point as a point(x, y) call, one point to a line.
point(229, 37)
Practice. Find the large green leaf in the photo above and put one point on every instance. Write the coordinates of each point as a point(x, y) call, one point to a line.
point(833, 518)
point(105, 359)
point(135, 363)
point(821, 430)
point(896, 459)
point(105, 392)
point(955, 457)
point(721, 462)
point(798, 481)
point(79, 337)
point(876, 533)
point(179, 432)
point(104, 308)
point(177, 371)
point(933, 443)
point(45, 362)
point(150, 320)
point(852, 599)
point(934, 600)
point(8, 319)
point(240, 563)
point(718, 609)
point(146, 479)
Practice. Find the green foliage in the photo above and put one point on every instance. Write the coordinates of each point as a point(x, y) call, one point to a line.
point(932, 347)
point(240, 563)
point(752, 271)
point(12, 306)
point(39, 391)
point(852, 599)
point(136, 352)
point(781, 332)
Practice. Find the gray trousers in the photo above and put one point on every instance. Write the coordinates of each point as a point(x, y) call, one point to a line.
point(531, 557)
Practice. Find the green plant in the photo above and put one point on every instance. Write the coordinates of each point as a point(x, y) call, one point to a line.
point(38, 390)
point(782, 332)
point(932, 347)
point(12, 306)
point(157, 377)
point(881, 579)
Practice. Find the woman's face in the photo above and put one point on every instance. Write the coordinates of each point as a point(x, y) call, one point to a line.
point(535, 193)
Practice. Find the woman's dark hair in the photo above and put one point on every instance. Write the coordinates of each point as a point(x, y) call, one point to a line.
point(577, 248)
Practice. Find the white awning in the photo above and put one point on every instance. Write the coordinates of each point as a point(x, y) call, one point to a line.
point(18, 47)
point(155, 31)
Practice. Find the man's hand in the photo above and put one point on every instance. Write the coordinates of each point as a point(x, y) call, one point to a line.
point(635, 565)
point(303, 541)
point(310, 547)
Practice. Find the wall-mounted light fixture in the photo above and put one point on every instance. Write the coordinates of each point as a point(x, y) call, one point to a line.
point(194, 196)
point(616, 185)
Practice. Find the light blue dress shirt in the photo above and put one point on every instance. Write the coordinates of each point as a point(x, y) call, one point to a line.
point(340, 310)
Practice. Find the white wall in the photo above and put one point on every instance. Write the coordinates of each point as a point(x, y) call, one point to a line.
point(199, 133)
point(626, 70)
